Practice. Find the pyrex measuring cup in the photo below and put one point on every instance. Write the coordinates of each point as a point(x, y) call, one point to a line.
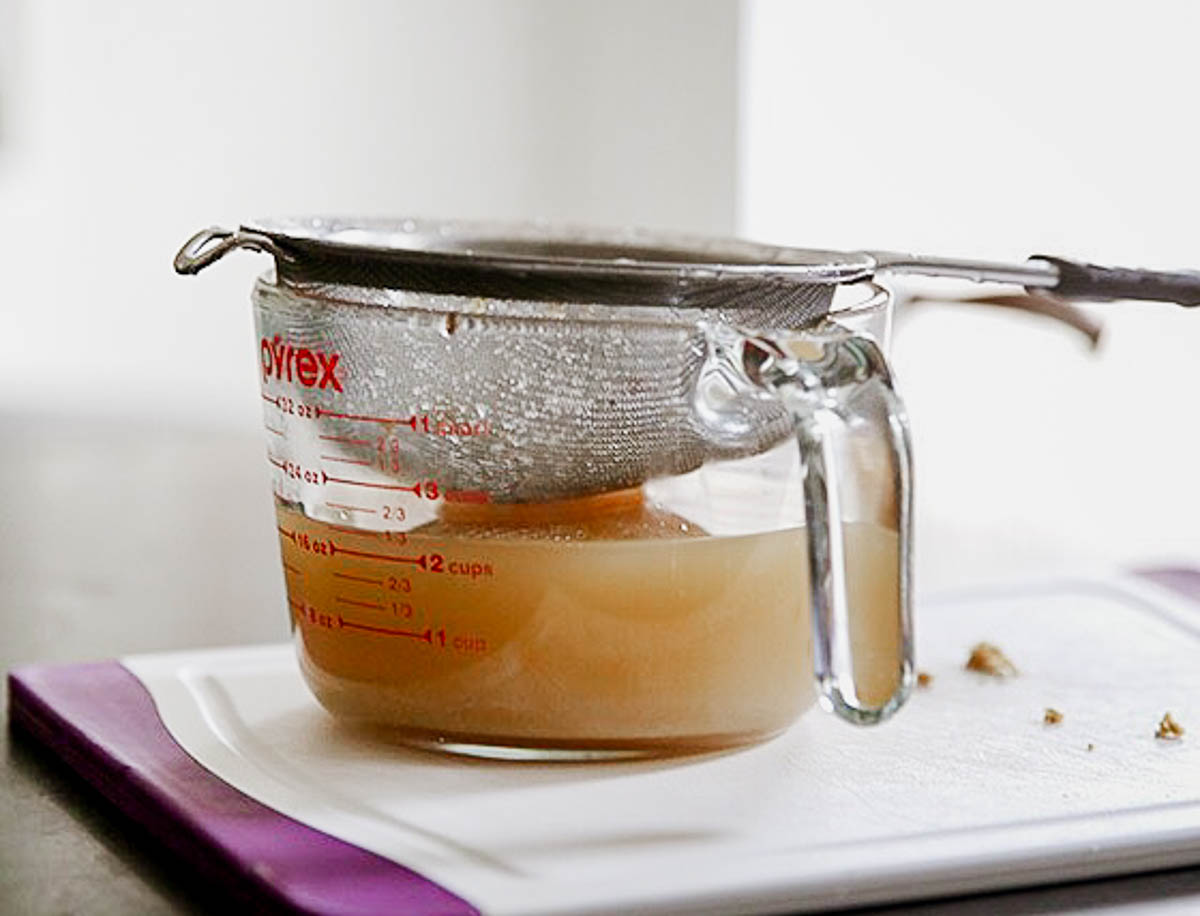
point(572, 508)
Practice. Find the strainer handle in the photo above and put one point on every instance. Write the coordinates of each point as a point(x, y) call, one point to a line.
point(212, 244)
point(856, 455)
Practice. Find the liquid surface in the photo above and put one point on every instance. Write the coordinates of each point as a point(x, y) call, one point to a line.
point(614, 626)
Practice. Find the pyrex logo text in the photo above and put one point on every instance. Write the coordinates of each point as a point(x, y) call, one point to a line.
point(311, 368)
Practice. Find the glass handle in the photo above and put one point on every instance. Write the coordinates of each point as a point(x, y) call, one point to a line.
point(856, 460)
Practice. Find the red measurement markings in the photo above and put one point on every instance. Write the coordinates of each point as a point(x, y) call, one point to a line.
point(358, 461)
point(406, 421)
point(426, 636)
point(391, 558)
point(358, 532)
point(271, 399)
point(352, 509)
point(398, 537)
point(366, 579)
point(426, 489)
point(288, 567)
point(296, 472)
point(356, 603)
point(415, 489)
point(299, 611)
point(433, 562)
point(349, 440)
point(273, 430)
point(459, 428)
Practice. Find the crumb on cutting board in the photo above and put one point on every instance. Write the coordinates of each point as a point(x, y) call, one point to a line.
point(1169, 729)
point(1091, 747)
point(924, 678)
point(1051, 716)
point(987, 658)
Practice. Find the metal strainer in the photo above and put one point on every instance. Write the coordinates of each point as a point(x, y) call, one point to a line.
point(535, 362)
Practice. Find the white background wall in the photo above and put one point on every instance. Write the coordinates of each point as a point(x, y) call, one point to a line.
point(952, 128)
point(124, 127)
point(1001, 130)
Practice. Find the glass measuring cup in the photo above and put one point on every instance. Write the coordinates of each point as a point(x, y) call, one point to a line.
point(537, 527)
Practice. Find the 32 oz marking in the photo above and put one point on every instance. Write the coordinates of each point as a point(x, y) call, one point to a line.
point(296, 408)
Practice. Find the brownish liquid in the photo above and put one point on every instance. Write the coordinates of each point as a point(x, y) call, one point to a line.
point(599, 623)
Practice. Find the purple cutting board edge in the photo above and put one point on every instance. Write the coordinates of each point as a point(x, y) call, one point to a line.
point(102, 723)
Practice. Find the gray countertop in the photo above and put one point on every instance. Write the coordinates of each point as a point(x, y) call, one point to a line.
point(126, 537)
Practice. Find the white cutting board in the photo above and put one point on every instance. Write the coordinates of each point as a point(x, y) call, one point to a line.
point(966, 789)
